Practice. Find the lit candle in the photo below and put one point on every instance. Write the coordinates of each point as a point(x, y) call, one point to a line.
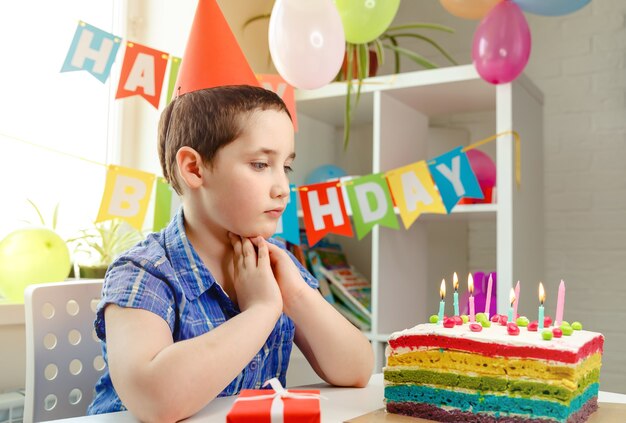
point(516, 300)
point(513, 306)
point(470, 288)
point(560, 304)
point(488, 300)
point(455, 283)
point(542, 298)
point(442, 304)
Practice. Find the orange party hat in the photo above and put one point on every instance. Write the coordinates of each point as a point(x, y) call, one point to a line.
point(212, 56)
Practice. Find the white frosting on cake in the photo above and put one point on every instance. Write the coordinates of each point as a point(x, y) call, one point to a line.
point(498, 334)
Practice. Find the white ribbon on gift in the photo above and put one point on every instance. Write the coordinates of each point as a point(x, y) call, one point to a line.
point(277, 408)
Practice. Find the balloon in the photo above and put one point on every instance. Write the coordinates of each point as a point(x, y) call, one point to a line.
point(501, 46)
point(306, 41)
point(551, 7)
point(324, 173)
point(364, 20)
point(469, 9)
point(31, 255)
point(484, 168)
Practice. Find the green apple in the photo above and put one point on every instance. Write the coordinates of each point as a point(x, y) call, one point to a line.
point(31, 255)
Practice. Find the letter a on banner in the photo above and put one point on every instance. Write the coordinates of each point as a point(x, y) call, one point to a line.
point(288, 227)
point(285, 91)
point(371, 204)
point(126, 195)
point(414, 192)
point(324, 211)
point(92, 50)
point(142, 73)
point(454, 177)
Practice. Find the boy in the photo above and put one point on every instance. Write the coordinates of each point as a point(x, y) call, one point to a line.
point(208, 306)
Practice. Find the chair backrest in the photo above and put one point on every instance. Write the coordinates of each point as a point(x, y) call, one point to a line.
point(63, 354)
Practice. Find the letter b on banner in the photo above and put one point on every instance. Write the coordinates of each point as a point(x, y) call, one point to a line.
point(126, 195)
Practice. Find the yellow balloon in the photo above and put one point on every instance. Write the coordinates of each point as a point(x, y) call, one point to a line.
point(31, 255)
point(469, 9)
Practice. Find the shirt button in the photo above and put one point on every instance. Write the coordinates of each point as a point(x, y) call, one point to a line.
point(253, 365)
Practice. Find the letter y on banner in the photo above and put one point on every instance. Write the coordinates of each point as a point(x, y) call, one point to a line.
point(454, 177)
point(93, 50)
point(126, 195)
point(285, 91)
point(324, 211)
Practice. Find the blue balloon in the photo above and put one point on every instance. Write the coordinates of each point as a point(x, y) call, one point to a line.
point(551, 7)
point(324, 173)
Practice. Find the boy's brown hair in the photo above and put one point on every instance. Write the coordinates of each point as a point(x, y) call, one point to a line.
point(207, 120)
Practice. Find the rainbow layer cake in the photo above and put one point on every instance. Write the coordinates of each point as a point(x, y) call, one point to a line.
point(500, 373)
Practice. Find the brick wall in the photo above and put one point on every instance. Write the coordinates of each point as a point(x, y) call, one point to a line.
point(578, 61)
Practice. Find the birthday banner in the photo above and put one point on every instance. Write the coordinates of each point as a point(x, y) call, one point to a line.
point(143, 68)
point(433, 186)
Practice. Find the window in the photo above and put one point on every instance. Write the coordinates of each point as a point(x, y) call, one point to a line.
point(70, 112)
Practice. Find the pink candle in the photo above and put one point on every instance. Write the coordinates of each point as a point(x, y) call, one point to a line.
point(470, 288)
point(560, 303)
point(488, 299)
point(516, 300)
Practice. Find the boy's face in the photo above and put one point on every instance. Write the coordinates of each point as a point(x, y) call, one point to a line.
point(247, 188)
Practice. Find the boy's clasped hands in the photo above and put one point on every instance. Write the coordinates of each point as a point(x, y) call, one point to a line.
point(264, 274)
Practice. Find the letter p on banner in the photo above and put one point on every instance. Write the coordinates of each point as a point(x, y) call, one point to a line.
point(126, 195)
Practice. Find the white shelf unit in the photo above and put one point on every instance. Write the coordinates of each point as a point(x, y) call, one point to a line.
point(392, 127)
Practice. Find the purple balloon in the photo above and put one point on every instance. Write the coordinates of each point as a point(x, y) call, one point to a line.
point(501, 46)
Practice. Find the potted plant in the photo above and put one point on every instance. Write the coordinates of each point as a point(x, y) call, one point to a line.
point(96, 247)
point(364, 59)
point(358, 58)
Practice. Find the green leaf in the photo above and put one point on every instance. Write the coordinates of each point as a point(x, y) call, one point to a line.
point(429, 41)
point(55, 216)
point(254, 19)
point(420, 25)
point(417, 58)
point(396, 55)
point(380, 52)
point(41, 219)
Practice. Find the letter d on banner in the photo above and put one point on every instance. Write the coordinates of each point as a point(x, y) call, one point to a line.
point(126, 195)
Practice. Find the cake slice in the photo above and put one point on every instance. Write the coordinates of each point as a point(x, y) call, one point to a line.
point(455, 374)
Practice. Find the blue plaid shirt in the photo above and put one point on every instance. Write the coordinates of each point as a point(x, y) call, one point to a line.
point(164, 275)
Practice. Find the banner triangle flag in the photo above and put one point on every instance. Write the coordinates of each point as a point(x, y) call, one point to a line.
point(166, 203)
point(171, 80)
point(212, 56)
point(126, 195)
point(92, 50)
point(288, 227)
point(371, 204)
point(143, 71)
point(324, 211)
point(414, 192)
point(454, 177)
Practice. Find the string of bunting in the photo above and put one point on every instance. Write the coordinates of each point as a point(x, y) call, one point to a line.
point(143, 68)
point(433, 186)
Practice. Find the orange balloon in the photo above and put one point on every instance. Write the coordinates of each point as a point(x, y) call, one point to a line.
point(469, 9)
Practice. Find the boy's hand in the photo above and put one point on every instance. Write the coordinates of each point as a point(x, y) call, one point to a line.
point(254, 281)
point(287, 274)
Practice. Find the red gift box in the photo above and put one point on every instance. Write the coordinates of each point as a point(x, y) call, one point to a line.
point(284, 406)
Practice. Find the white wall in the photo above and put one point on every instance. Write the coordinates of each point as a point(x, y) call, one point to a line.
point(578, 61)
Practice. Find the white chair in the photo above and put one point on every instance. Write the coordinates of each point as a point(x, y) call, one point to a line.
point(63, 355)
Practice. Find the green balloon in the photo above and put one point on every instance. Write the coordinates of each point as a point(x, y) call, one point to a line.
point(364, 20)
point(31, 255)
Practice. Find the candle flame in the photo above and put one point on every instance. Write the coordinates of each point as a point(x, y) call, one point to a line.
point(455, 282)
point(542, 293)
point(470, 284)
point(512, 297)
point(442, 290)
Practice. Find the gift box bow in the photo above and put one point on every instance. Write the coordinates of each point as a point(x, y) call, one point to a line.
point(277, 408)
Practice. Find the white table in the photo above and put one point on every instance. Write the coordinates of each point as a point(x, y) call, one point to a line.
point(342, 404)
